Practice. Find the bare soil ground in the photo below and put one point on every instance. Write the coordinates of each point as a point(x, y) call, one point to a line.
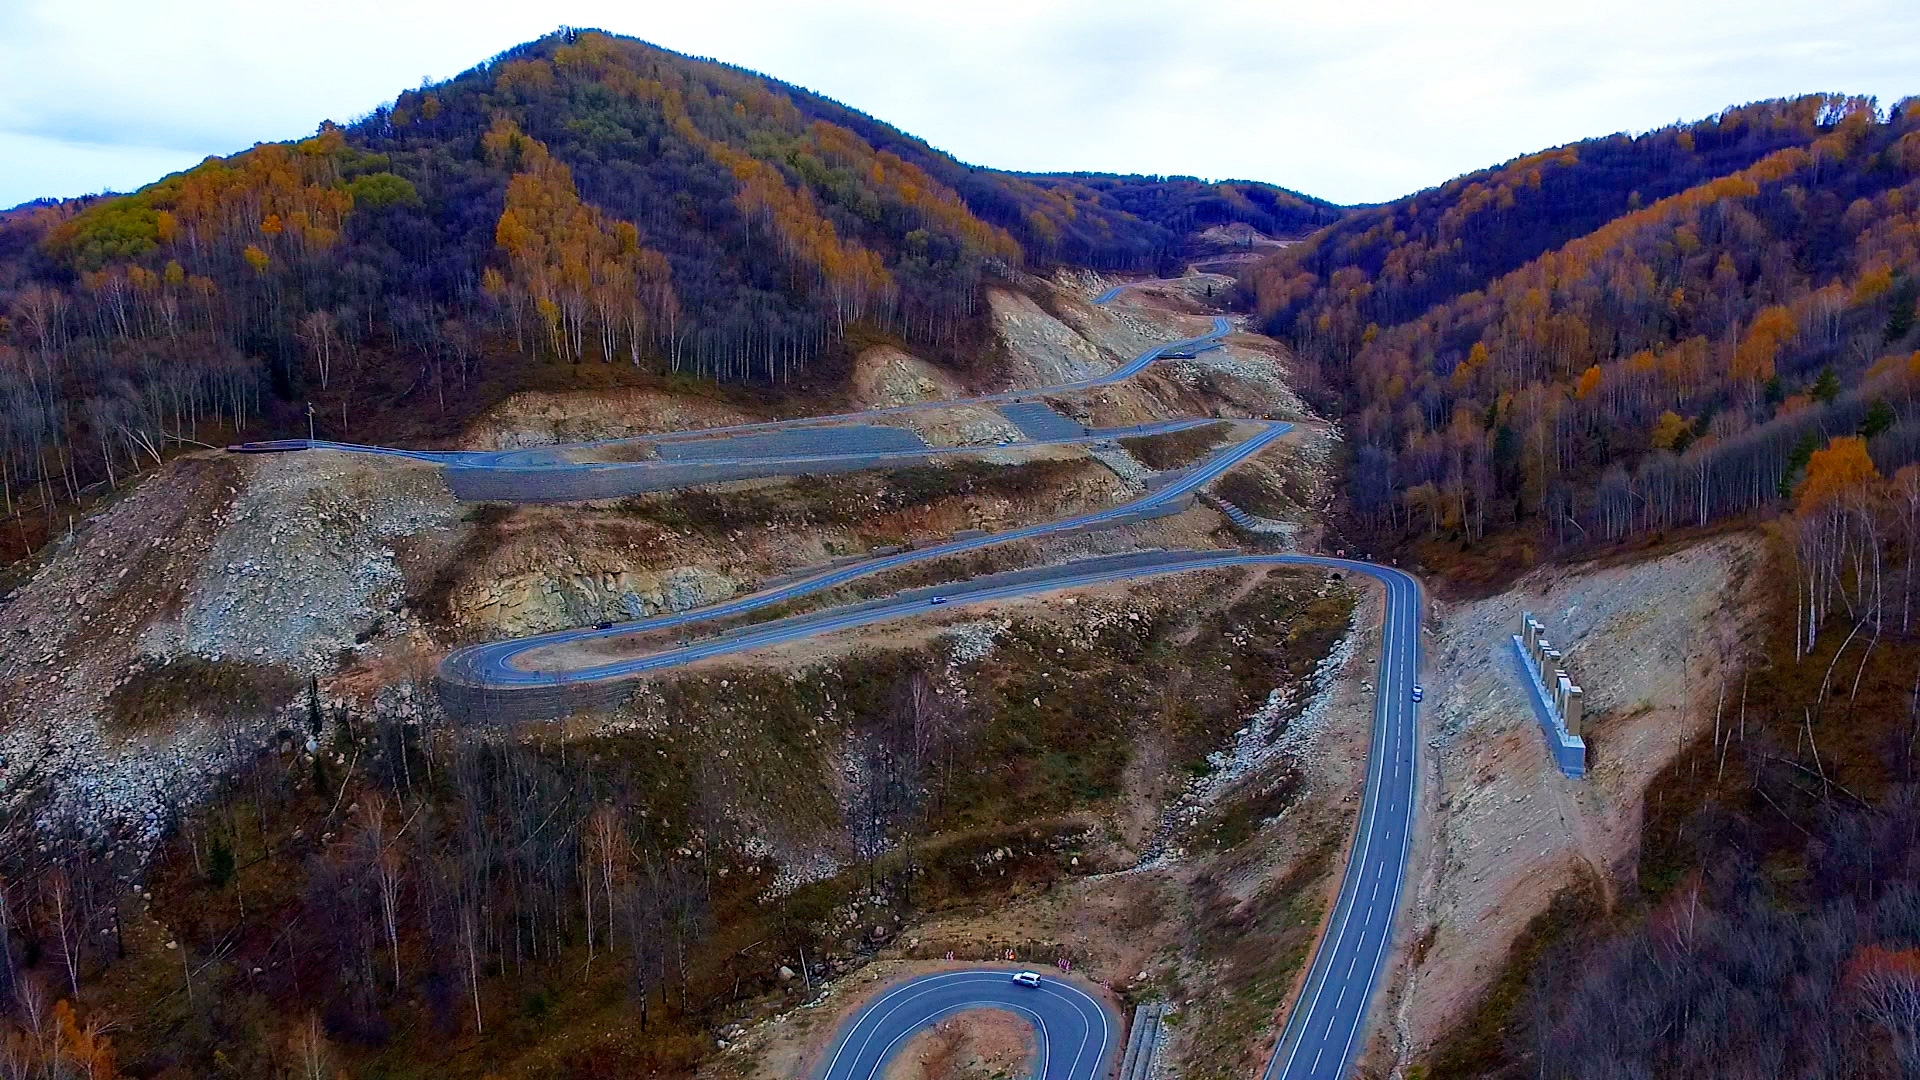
point(1650, 643)
point(155, 646)
point(538, 418)
point(980, 1044)
point(534, 568)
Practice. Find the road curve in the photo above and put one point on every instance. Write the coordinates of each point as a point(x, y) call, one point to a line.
point(1331, 1012)
point(1325, 1023)
point(558, 456)
point(1324, 1027)
point(1321, 1032)
point(493, 665)
point(1077, 1037)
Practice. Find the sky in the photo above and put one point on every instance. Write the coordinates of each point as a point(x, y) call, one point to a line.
point(1353, 101)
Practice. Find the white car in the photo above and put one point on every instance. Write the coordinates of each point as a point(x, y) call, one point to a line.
point(938, 600)
point(1418, 692)
point(1026, 978)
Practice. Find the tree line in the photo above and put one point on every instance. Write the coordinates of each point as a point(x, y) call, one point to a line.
point(1673, 356)
point(581, 198)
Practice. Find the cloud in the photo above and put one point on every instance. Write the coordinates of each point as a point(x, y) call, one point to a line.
point(1354, 102)
point(61, 169)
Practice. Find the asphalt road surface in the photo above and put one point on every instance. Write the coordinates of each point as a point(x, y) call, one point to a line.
point(562, 456)
point(1076, 1036)
point(1326, 1022)
point(493, 665)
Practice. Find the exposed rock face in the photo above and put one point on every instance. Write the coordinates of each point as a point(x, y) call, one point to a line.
point(277, 562)
point(535, 418)
point(305, 564)
point(573, 595)
point(1043, 350)
point(884, 375)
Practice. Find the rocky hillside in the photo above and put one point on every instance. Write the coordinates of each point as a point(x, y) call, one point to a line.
point(235, 825)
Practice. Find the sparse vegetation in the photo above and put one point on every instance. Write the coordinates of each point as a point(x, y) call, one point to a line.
point(418, 902)
point(1478, 1044)
point(159, 694)
point(1243, 812)
point(1177, 449)
point(1767, 923)
point(849, 500)
point(1253, 949)
point(1258, 492)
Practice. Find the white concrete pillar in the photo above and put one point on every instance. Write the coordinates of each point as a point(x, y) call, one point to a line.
point(1571, 714)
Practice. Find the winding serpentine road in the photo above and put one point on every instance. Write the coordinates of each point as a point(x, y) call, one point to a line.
point(1327, 1020)
point(1076, 1033)
point(493, 665)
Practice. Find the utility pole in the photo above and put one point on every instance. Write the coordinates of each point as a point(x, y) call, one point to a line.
point(309, 421)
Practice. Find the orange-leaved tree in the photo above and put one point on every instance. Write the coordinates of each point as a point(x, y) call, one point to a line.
point(1836, 537)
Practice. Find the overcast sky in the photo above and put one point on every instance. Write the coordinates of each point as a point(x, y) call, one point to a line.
point(1350, 101)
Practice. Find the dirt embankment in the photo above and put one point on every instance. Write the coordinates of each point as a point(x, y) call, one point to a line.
point(539, 418)
point(137, 658)
point(533, 569)
point(981, 1044)
point(885, 376)
point(1650, 643)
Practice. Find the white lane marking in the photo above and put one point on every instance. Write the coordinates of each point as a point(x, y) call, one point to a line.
point(916, 988)
point(1053, 987)
point(1376, 765)
point(877, 1014)
point(1040, 1022)
point(1406, 842)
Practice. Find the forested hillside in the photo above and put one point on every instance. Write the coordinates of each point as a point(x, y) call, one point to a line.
point(1624, 337)
point(1183, 204)
point(582, 199)
point(1621, 335)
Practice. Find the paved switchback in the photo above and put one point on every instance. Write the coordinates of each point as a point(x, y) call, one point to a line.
point(1326, 1022)
point(1331, 1013)
point(561, 456)
point(1076, 1035)
point(495, 666)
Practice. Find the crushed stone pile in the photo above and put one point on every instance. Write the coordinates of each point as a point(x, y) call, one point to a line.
point(304, 565)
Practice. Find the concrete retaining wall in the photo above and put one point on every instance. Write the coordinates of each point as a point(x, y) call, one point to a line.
point(1551, 700)
point(1143, 1042)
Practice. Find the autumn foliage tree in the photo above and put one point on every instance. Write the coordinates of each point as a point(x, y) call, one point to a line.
point(574, 269)
point(1647, 354)
point(581, 197)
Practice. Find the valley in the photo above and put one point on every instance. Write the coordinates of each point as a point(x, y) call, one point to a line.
point(615, 565)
